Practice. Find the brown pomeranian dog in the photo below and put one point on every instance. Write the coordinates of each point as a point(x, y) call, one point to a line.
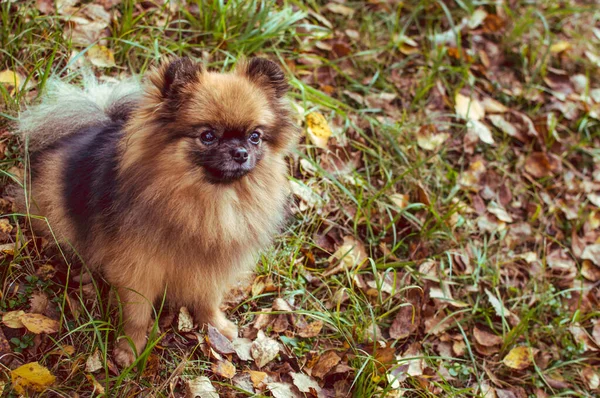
point(170, 189)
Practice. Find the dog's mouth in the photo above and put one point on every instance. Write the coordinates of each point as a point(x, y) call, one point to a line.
point(227, 175)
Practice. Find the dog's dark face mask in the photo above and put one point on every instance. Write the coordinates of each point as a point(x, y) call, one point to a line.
point(228, 154)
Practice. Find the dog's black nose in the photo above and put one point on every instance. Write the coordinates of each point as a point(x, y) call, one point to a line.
point(240, 155)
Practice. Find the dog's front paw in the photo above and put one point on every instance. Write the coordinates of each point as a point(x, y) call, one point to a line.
point(123, 354)
point(225, 326)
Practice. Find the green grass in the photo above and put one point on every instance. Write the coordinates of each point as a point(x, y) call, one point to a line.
point(439, 224)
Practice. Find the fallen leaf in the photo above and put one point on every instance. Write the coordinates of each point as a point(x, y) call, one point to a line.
point(38, 302)
point(486, 339)
point(31, 377)
point(500, 309)
point(98, 388)
point(64, 350)
point(264, 349)
point(311, 329)
point(218, 342)
point(305, 383)
point(482, 131)
point(400, 200)
point(592, 253)
point(282, 390)
point(503, 125)
point(12, 319)
point(350, 254)
point(242, 347)
point(4, 344)
point(518, 358)
point(200, 387)
point(258, 378)
point(101, 56)
point(468, 108)
point(340, 9)
point(318, 129)
point(500, 212)
point(12, 80)
point(224, 369)
point(428, 139)
point(185, 322)
point(581, 336)
point(540, 165)
point(325, 363)
point(405, 323)
point(560, 46)
point(591, 377)
point(93, 363)
point(38, 323)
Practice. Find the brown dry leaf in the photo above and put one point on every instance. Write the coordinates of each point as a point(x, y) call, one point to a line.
point(485, 338)
point(468, 108)
point(591, 377)
point(38, 323)
point(101, 56)
point(405, 323)
point(224, 369)
point(503, 125)
point(500, 309)
point(518, 358)
point(350, 254)
point(264, 349)
point(93, 363)
point(5, 226)
point(305, 383)
point(590, 271)
point(325, 363)
point(200, 387)
point(340, 9)
point(218, 342)
point(31, 377)
point(38, 302)
point(282, 390)
point(318, 129)
point(12, 319)
point(185, 322)
point(4, 344)
point(308, 330)
point(540, 165)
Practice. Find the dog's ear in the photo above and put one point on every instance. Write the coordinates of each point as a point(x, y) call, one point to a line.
point(174, 74)
point(266, 74)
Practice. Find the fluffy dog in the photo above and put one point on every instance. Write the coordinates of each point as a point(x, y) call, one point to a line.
point(170, 188)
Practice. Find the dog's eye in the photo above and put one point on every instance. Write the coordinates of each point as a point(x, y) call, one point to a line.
point(254, 137)
point(208, 137)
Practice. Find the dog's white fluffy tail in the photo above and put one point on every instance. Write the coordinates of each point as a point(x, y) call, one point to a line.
point(66, 108)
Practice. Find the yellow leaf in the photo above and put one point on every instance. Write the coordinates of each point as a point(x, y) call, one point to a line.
point(31, 377)
point(560, 46)
point(518, 358)
point(64, 350)
point(38, 323)
point(12, 319)
point(11, 79)
point(318, 130)
point(224, 369)
point(101, 56)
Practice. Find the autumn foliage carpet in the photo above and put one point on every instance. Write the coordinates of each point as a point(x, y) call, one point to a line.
point(445, 230)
